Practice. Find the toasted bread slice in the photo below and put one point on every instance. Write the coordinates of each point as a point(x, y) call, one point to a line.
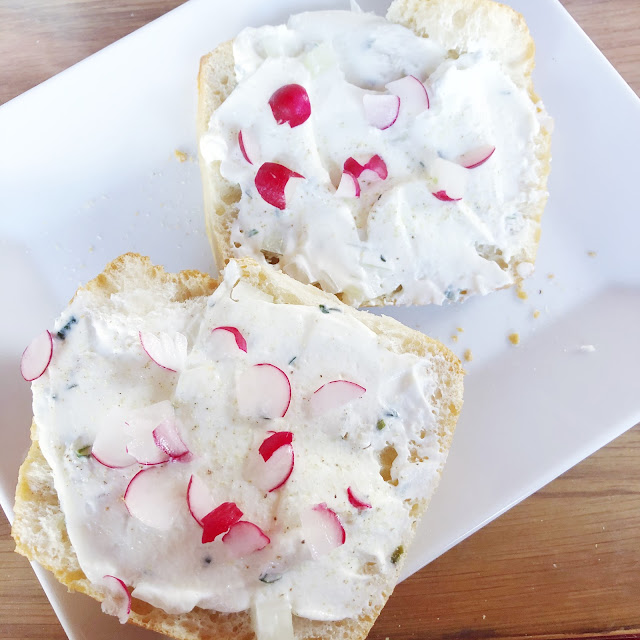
point(40, 529)
point(459, 26)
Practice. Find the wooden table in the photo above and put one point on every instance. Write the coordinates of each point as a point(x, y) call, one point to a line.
point(563, 564)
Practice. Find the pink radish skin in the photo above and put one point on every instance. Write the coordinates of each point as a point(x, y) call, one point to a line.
point(248, 146)
point(110, 446)
point(273, 442)
point(271, 182)
point(375, 164)
point(271, 474)
point(476, 157)
point(413, 94)
point(152, 498)
point(442, 195)
point(244, 538)
point(322, 529)
point(168, 353)
point(349, 186)
point(199, 499)
point(167, 438)
point(239, 338)
point(335, 394)
point(117, 600)
point(290, 105)
point(264, 391)
point(219, 521)
point(355, 501)
point(37, 356)
point(381, 111)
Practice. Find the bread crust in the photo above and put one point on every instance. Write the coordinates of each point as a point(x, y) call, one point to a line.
point(39, 528)
point(458, 25)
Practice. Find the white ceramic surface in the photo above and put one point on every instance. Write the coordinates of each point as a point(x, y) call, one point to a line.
point(87, 171)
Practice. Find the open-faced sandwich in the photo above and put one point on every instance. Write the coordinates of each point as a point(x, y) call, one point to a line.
point(388, 161)
point(223, 459)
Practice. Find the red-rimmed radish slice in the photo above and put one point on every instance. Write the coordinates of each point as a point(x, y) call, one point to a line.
point(244, 538)
point(349, 186)
point(290, 105)
point(166, 351)
point(269, 475)
point(355, 501)
point(219, 521)
point(413, 95)
point(167, 438)
point(37, 356)
point(274, 183)
point(322, 529)
point(110, 445)
point(375, 167)
point(154, 497)
point(334, 394)
point(117, 599)
point(241, 343)
point(276, 440)
point(449, 180)
point(381, 111)
point(264, 391)
point(248, 144)
point(475, 157)
point(141, 424)
point(199, 499)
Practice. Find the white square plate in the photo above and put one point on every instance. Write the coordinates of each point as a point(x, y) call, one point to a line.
point(87, 172)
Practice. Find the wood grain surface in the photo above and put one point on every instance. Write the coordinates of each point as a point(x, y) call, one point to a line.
point(563, 564)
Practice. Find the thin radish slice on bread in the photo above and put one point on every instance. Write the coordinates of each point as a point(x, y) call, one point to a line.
point(349, 186)
point(356, 501)
point(141, 424)
point(199, 499)
point(381, 111)
point(239, 339)
point(276, 440)
point(275, 183)
point(168, 352)
point(333, 395)
point(323, 530)
point(413, 95)
point(248, 144)
point(167, 438)
point(476, 157)
point(37, 356)
point(290, 105)
point(244, 538)
point(273, 472)
point(117, 599)
point(263, 391)
point(219, 521)
point(110, 446)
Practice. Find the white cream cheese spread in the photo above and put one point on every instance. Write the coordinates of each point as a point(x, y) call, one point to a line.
point(360, 458)
point(397, 240)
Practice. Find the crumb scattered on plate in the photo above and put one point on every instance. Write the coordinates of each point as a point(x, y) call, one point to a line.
point(468, 356)
point(454, 337)
point(520, 292)
point(460, 329)
point(592, 254)
point(514, 338)
point(181, 155)
point(551, 276)
point(536, 313)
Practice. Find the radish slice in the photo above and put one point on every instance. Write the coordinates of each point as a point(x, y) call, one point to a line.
point(153, 497)
point(476, 157)
point(412, 93)
point(244, 538)
point(167, 352)
point(167, 438)
point(37, 356)
point(290, 104)
point(110, 445)
point(270, 474)
point(323, 530)
point(449, 178)
point(333, 395)
point(199, 499)
point(375, 166)
point(273, 442)
point(141, 425)
point(264, 391)
point(239, 338)
point(272, 618)
point(355, 501)
point(117, 599)
point(219, 521)
point(349, 186)
point(248, 146)
point(271, 182)
point(381, 111)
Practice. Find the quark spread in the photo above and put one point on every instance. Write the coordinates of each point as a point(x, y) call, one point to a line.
point(401, 239)
point(375, 440)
